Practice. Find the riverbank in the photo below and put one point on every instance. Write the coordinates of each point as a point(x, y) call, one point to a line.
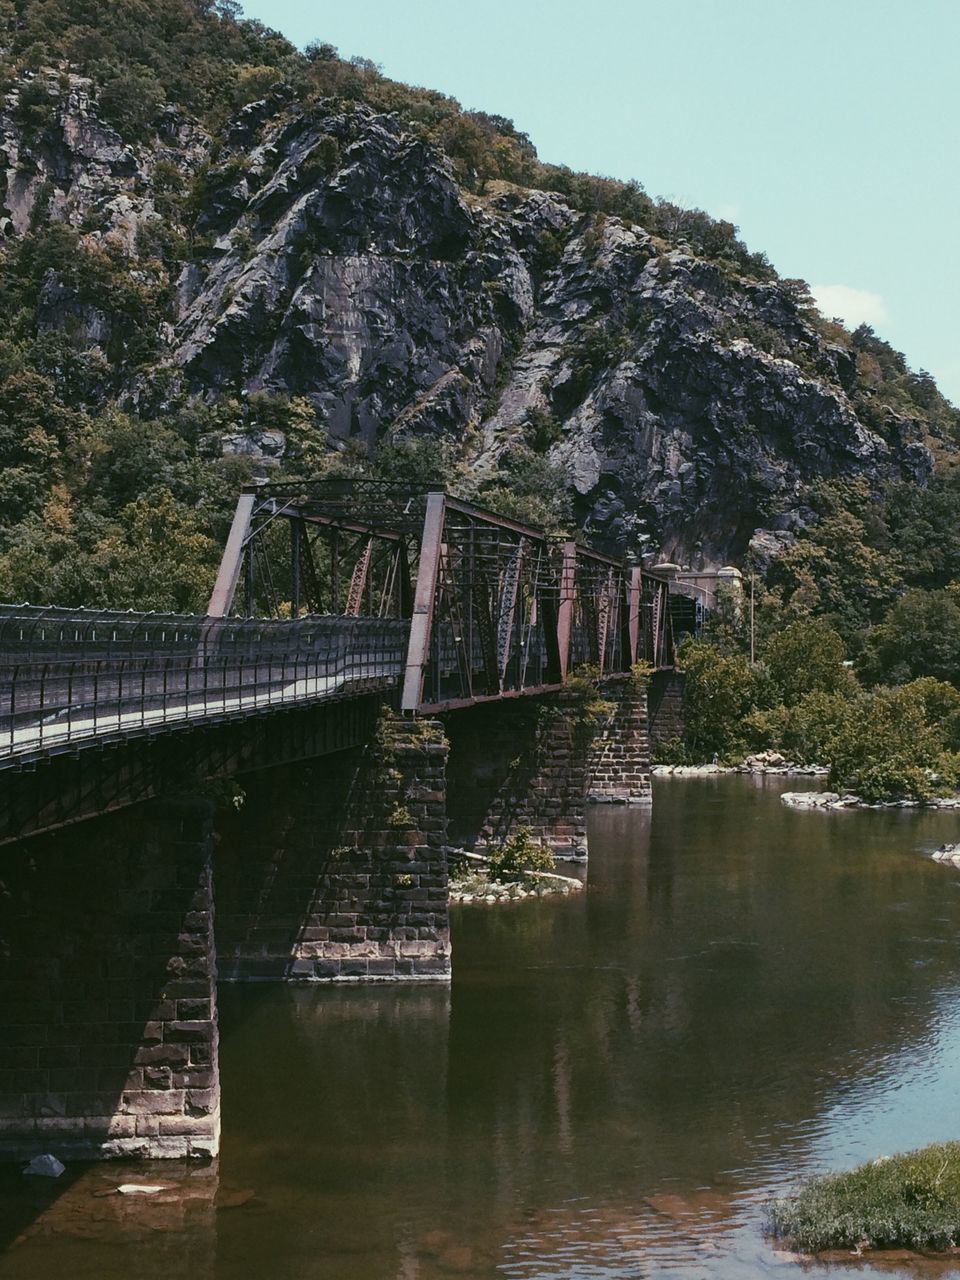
point(906, 1201)
point(764, 762)
point(823, 800)
point(477, 886)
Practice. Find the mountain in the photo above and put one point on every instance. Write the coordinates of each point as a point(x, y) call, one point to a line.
point(224, 258)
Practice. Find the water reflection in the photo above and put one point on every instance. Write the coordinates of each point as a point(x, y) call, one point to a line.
point(615, 1082)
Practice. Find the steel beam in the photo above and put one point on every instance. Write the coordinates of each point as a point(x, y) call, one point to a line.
point(228, 575)
point(421, 624)
point(295, 527)
point(568, 590)
point(458, 704)
point(634, 590)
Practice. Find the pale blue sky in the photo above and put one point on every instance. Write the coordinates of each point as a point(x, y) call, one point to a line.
point(828, 130)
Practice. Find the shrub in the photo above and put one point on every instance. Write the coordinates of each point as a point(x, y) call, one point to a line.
point(906, 1201)
point(887, 748)
point(670, 751)
point(541, 430)
point(518, 855)
point(803, 732)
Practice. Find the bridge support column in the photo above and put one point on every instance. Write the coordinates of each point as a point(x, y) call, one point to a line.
point(665, 706)
point(336, 870)
point(619, 766)
point(108, 999)
point(521, 764)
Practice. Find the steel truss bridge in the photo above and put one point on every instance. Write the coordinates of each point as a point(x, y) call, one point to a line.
point(333, 590)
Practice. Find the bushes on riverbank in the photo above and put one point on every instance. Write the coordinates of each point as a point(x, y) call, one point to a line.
point(884, 743)
point(910, 1200)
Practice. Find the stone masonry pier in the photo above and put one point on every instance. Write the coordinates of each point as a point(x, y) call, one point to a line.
point(333, 869)
point(618, 770)
point(520, 764)
point(108, 988)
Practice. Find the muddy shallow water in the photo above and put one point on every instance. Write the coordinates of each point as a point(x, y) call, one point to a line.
point(614, 1085)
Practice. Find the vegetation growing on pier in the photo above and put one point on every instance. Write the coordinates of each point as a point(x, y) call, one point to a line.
point(519, 855)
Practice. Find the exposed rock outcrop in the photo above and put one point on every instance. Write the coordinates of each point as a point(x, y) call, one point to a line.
point(334, 257)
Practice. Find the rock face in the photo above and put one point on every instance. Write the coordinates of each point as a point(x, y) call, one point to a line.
point(335, 258)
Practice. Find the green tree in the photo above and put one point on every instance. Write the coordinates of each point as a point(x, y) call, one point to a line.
point(806, 656)
point(837, 569)
point(920, 636)
point(805, 731)
point(157, 558)
point(888, 748)
point(718, 696)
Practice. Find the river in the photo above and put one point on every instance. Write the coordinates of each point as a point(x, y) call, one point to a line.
point(614, 1085)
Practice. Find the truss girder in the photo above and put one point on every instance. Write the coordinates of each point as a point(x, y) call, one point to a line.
point(495, 608)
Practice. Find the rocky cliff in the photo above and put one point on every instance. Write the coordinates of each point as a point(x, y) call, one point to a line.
point(325, 252)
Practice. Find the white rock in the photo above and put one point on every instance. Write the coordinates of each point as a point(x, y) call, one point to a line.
point(810, 799)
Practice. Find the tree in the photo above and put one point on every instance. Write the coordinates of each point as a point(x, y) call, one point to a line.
point(157, 558)
point(920, 636)
point(718, 696)
point(888, 748)
point(807, 656)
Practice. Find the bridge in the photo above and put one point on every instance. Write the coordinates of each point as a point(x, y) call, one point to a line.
point(447, 603)
point(381, 671)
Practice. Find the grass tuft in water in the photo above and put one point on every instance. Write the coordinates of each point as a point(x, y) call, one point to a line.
point(911, 1200)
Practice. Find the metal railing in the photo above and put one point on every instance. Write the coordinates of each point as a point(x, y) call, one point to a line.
point(71, 676)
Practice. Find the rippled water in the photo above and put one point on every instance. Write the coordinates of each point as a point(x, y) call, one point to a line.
point(613, 1087)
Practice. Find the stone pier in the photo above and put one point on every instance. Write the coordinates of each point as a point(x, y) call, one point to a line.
point(108, 988)
point(619, 764)
point(665, 705)
point(520, 764)
point(335, 869)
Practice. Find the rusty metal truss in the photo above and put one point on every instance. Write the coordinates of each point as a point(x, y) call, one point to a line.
point(495, 608)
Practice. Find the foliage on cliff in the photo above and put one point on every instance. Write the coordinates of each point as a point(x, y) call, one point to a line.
point(168, 161)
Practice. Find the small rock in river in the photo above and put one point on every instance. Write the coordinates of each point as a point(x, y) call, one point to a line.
point(45, 1166)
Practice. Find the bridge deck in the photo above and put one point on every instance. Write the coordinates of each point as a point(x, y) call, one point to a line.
point(66, 683)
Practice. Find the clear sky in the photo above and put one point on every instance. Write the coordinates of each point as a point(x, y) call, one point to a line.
point(827, 130)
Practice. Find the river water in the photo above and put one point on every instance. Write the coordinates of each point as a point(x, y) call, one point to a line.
point(614, 1086)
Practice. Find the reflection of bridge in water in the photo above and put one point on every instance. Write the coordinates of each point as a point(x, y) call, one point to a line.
point(398, 668)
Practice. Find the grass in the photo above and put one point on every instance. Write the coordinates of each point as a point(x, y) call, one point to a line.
point(911, 1200)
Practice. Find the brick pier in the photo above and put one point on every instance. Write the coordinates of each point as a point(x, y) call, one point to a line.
point(335, 870)
point(520, 765)
point(108, 988)
point(619, 764)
